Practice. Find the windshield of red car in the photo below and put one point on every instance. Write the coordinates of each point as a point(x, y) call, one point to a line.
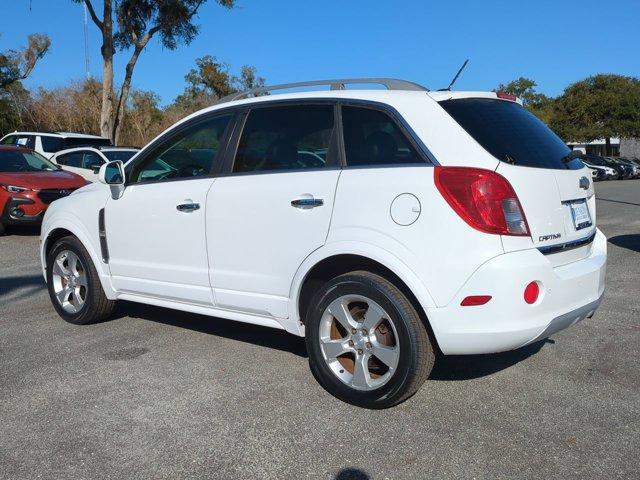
point(24, 161)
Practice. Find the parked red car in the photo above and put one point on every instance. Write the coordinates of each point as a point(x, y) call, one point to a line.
point(28, 184)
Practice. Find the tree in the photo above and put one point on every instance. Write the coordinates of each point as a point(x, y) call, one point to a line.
point(129, 25)
point(16, 65)
point(601, 106)
point(212, 80)
point(525, 89)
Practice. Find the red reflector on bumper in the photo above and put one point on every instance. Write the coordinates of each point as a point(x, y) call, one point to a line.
point(475, 300)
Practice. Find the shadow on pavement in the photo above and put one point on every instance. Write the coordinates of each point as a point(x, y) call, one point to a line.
point(23, 231)
point(617, 201)
point(244, 332)
point(352, 474)
point(33, 282)
point(467, 367)
point(630, 242)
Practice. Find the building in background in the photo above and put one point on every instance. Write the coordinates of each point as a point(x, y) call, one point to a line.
point(625, 147)
point(597, 147)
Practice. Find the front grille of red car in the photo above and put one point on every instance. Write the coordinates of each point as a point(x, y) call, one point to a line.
point(48, 195)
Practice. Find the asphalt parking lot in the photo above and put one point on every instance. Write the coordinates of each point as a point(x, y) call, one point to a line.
point(157, 393)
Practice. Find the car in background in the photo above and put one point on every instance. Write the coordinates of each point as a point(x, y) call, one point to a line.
point(49, 143)
point(634, 170)
point(628, 169)
point(596, 160)
point(600, 172)
point(86, 161)
point(28, 184)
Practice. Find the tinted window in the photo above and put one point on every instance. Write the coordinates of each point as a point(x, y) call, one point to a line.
point(24, 161)
point(91, 159)
point(192, 153)
point(285, 138)
point(371, 137)
point(73, 159)
point(510, 133)
point(122, 155)
point(85, 142)
point(51, 144)
point(27, 141)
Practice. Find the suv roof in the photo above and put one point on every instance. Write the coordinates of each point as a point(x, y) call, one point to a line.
point(59, 134)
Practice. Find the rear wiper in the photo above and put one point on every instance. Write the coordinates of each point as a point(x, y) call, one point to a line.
point(572, 156)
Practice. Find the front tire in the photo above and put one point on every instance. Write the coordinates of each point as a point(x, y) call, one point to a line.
point(73, 284)
point(367, 343)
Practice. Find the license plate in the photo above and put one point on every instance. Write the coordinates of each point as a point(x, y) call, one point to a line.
point(580, 214)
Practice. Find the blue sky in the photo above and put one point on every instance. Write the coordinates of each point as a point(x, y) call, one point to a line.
point(553, 42)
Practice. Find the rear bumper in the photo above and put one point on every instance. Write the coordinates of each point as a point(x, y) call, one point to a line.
point(568, 294)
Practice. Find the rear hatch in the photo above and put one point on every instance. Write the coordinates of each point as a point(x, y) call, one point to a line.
point(556, 195)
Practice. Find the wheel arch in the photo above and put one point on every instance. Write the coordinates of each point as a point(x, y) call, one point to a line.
point(335, 260)
point(67, 226)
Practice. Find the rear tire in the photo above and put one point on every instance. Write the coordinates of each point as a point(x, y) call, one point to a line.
point(2, 229)
point(74, 285)
point(367, 343)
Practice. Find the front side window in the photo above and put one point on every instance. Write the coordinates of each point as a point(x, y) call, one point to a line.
point(372, 137)
point(191, 153)
point(285, 138)
point(91, 159)
point(73, 159)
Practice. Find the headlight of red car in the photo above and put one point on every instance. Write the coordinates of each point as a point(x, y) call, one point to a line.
point(15, 189)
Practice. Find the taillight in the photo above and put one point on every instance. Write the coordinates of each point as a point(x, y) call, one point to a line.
point(506, 96)
point(483, 199)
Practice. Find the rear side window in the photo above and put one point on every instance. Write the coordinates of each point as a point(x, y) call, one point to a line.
point(372, 137)
point(285, 138)
point(73, 142)
point(510, 133)
point(51, 144)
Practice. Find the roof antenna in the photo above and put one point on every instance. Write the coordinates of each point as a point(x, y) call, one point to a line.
point(448, 89)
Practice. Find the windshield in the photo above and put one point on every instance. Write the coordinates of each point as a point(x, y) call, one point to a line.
point(510, 132)
point(24, 161)
point(123, 155)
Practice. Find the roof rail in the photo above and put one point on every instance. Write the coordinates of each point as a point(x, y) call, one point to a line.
point(335, 84)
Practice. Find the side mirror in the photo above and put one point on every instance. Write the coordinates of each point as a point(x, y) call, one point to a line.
point(112, 174)
point(95, 168)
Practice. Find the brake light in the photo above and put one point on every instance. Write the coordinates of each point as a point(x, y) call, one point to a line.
point(483, 199)
point(506, 96)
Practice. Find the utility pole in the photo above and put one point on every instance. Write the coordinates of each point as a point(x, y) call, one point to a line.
point(86, 43)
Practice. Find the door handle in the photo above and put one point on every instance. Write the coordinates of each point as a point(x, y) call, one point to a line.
point(307, 202)
point(188, 207)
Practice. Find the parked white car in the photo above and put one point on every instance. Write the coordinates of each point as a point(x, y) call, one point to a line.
point(381, 225)
point(47, 144)
point(86, 161)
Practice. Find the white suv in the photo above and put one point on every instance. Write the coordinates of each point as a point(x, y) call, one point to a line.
point(382, 225)
point(49, 143)
point(86, 161)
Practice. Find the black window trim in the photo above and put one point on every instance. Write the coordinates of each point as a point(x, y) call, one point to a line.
point(410, 135)
point(231, 138)
point(155, 146)
point(334, 154)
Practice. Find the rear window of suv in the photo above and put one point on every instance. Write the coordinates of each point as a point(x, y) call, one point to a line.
point(510, 132)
